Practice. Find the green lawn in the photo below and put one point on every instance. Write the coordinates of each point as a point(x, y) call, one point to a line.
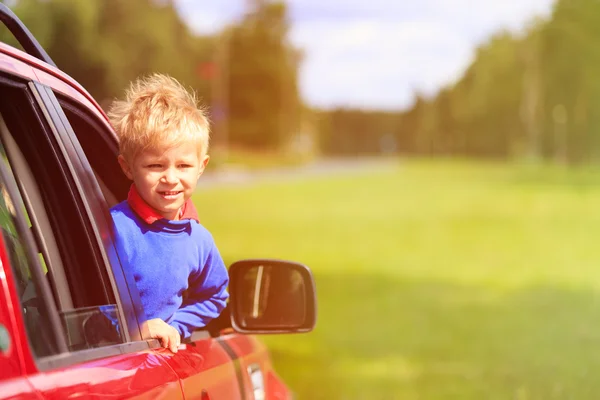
point(435, 280)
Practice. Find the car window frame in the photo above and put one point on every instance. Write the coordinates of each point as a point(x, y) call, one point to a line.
point(42, 287)
point(54, 184)
point(45, 105)
point(38, 215)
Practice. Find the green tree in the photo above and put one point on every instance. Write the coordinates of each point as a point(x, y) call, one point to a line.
point(570, 51)
point(263, 102)
point(105, 44)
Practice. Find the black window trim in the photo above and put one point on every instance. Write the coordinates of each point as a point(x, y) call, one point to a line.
point(30, 194)
point(57, 335)
point(42, 286)
point(44, 98)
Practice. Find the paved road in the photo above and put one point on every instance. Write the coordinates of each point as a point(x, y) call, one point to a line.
point(234, 175)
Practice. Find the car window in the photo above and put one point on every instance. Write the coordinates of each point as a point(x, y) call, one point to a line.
point(77, 298)
point(33, 316)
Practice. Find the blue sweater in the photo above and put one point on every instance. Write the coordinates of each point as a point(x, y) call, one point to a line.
point(177, 268)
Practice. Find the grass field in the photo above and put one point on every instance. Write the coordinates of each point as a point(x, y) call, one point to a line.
point(436, 280)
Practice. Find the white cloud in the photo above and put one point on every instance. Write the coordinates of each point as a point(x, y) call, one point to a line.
point(376, 64)
point(209, 16)
point(375, 53)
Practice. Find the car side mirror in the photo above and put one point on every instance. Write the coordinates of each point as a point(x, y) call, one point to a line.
point(272, 296)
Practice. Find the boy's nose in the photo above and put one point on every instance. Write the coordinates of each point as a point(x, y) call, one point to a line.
point(170, 176)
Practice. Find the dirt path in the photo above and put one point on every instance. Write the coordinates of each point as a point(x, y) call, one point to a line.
point(235, 175)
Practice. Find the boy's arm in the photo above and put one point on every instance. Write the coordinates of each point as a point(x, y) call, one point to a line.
point(206, 298)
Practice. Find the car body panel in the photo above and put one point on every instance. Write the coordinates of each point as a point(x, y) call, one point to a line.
point(15, 66)
point(18, 389)
point(205, 369)
point(251, 354)
point(17, 360)
point(62, 86)
point(142, 375)
point(16, 61)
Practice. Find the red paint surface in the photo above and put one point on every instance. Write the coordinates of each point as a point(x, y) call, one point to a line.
point(17, 360)
point(205, 370)
point(12, 65)
point(252, 352)
point(142, 375)
point(18, 389)
point(16, 61)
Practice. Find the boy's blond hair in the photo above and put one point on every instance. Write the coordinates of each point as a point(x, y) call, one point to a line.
point(158, 112)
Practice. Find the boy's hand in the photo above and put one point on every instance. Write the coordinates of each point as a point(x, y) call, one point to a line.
point(168, 336)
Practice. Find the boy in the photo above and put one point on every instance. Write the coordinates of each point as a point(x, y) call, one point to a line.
point(163, 143)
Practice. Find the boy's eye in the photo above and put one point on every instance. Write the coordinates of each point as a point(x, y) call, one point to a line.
point(154, 166)
point(185, 166)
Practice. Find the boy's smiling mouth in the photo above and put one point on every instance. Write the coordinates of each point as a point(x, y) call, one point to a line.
point(170, 194)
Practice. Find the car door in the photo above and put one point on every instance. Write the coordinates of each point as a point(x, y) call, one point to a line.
point(81, 336)
point(203, 365)
point(206, 369)
point(260, 381)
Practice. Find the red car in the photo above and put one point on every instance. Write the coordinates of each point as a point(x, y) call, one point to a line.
point(62, 284)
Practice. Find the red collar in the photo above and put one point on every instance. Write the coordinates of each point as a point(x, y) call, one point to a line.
point(150, 215)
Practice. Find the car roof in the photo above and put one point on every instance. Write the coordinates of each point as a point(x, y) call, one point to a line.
point(17, 62)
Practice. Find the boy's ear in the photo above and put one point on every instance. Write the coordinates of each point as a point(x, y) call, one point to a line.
point(125, 166)
point(203, 164)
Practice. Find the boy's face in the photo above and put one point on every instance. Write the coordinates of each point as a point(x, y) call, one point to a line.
point(166, 178)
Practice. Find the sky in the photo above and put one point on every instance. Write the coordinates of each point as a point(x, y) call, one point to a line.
point(376, 54)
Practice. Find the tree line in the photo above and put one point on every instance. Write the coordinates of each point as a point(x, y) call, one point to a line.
point(532, 96)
